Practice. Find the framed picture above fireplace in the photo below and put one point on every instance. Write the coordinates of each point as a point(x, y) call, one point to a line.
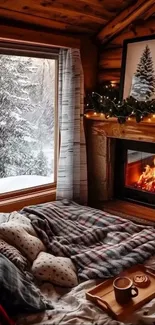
point(138, 69)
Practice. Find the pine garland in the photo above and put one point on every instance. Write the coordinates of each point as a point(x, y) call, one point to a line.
point(122, 110)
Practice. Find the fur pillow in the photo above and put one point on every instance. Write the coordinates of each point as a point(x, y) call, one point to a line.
point(13, 255)
point(18, 236)
point(58, 270)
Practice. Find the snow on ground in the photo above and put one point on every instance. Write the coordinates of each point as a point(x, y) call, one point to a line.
point(138, 155)
point(15, 183)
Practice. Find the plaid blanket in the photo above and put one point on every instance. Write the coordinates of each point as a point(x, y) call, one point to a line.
point(101, 245)
point(17, 293)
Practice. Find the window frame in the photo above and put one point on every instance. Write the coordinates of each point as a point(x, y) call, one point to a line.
point(14, 200)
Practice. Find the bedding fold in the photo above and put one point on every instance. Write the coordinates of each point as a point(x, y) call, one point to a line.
point(101, 245)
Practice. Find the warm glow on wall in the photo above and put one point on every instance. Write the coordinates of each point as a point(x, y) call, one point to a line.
point(113, 83)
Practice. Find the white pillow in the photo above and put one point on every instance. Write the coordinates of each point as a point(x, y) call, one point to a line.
point(58, 270)
point(19, 218)
point(23, 221)
point(18, 236)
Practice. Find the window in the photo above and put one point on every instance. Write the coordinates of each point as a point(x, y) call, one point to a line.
point(28, 118)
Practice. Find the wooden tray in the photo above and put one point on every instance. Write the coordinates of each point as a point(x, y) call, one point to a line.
point(103, 294)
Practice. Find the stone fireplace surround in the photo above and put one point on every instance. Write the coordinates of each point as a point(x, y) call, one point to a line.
point(101, 135)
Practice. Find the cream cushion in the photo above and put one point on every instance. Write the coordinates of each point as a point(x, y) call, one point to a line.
point(20, 236)
point(58, 270)
point(19, 218)
point(22, 221)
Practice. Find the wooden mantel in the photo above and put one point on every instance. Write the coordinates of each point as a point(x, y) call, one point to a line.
point(143, 131)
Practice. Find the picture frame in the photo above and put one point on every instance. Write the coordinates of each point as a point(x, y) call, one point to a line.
point(138, 69)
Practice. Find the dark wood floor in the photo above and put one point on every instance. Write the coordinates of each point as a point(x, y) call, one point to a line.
point(122, 208)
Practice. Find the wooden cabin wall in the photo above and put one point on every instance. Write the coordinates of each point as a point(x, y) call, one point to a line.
point(109, 68)
point(89, 57)
point(88, 49)
point(111, 54)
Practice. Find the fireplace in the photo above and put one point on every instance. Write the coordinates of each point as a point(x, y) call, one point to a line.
point(134, 176)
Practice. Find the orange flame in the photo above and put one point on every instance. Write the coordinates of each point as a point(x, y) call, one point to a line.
point(146, 180)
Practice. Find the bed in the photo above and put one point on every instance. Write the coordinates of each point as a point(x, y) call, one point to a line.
point(52, 253)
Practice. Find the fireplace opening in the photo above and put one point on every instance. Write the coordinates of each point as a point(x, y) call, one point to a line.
point(134, 176)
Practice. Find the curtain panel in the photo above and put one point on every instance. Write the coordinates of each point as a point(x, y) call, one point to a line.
point(72, 166)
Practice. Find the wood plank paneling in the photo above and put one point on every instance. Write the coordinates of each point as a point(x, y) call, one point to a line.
point(111, 59)
point(89, 62)
point(109, 75)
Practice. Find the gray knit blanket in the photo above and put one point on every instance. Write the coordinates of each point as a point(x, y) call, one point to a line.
point(101, 245)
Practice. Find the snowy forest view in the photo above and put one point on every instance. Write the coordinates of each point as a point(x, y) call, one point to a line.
point(27, 99)
point(143, 81)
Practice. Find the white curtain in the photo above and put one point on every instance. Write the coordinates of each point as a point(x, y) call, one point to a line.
point(72, 167)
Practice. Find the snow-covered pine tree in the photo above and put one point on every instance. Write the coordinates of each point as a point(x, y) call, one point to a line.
point(44, 99)
point(41, 164)
point(15, 131)
point(27, 90)
point(143, 83)
point(43, 114)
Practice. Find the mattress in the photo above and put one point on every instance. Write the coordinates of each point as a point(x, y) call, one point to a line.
point(99, 245)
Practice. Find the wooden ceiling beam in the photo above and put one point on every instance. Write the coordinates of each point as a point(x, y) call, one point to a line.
point(125, 18)
point(43, 22)
point(53, 10)
point(81, 7)
point(95, 5)
point(149, 12)
point(137, 29)
point(36, 37)
point(108, 5)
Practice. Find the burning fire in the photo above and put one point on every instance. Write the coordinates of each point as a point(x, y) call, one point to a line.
point(146, 180)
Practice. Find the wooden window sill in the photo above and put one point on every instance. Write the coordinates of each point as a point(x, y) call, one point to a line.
point(20, 201)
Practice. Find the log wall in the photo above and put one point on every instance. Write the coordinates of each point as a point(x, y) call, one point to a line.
point(51, 38)
point(111, 54)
